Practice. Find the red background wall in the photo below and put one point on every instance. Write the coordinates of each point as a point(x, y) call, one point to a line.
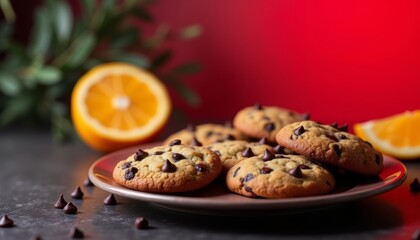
point(345, 61)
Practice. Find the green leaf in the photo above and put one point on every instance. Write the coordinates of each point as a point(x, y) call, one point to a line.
point(5, 33)
point(62, 19)
point(78, 52)
point(9, 84)
point(88, 7)
point(142, 14)
point(48, 75)
point(188, 94)
point(136, 59)
point(124, 39)
point(16, 108)
point(41, 34)
point(187, 68)
point(190, 32)
point(161, 59)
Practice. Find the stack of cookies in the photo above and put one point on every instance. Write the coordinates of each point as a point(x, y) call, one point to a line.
point(268, 152)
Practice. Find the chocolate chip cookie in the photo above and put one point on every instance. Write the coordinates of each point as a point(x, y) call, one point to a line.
point(168, 169)
point(205, 134)
point(232, 152)
point(330, 145)
point(265, 121)
point(279, 176)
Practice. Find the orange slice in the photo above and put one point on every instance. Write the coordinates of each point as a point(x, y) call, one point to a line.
point(116, 105)
point(397, 135)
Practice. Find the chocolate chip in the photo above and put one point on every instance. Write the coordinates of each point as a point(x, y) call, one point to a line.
point(416, 235)
point(195, 142)
point(6, 222)
point(228, 124)
point(126, 165)
point(278, 149)
point(230, 137)
point(168, 167)
point(258, 106)
point(158, 153)
point(334, 125)
point(174, 142)
point(177, 156)
point(368, 143)
point(110, 200)
point(303, 166)
point(266, 170)
point(342, 137)
point(248, 189)
point(337, 149)
point(141, 223)
point(249, 177)
point(296, 172)
point(200, 167)
point(61, 203)
point(298, 131)
point(130, 173)
point(87, 182)
point(332, 137)
point(306, 116)
point(77, 193)
point(191, 127)
point(264, 140)
point(236, 172)
point(76, 233)
point(140, 155)
point(269, 126)
point(248, 153)
point(70, 208)
point(344, 128)
point(415, 186)
point(218, 152)
point(377, 159)
point(209, 133)
point(36, 237)
point(268, 155)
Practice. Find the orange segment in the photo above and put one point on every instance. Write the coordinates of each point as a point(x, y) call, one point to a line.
point(116, 105)
point(397, 135)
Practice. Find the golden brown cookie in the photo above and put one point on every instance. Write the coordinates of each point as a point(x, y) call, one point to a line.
point(279, 176)
point(232, 152)
point(331, 145)
point(265, 121)
point(205, 134)
point(168, 169)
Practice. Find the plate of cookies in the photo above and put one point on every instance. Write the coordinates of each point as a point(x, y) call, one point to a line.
point(270, 160)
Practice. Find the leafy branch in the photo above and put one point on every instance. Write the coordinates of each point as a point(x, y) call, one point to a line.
point(36, 79)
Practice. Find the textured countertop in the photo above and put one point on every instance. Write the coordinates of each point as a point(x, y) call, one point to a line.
point(34, 171)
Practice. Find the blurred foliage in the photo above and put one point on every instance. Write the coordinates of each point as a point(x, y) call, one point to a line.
point(36, 79)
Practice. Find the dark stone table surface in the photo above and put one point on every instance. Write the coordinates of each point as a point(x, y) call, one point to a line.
point(34, 171)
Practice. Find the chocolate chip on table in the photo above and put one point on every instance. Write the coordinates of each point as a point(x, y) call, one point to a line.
point(70, 208)
point(141, 223)
point(76, 233)
point(110, 200)
point(177, 156)
point(77, 193)
point(174, 142)
point(195, 142)
point(248, 153)
point(6, 222)
point(140, 155)
point(269, 126)
point(87, 182)
point(126, 165)
point(200, 167)
point(296, 172)
point(266, 170)
point(264, 140)
point(268, 155)
point(415, 186)
point(298, 131)
point(130, 173)
point(61, 203)
point(168, 167)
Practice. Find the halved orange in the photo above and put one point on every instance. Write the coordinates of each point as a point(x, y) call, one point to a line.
point(116, 105)
point(397, 135)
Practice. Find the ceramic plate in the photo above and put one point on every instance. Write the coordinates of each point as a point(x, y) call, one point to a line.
point(216, 199)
